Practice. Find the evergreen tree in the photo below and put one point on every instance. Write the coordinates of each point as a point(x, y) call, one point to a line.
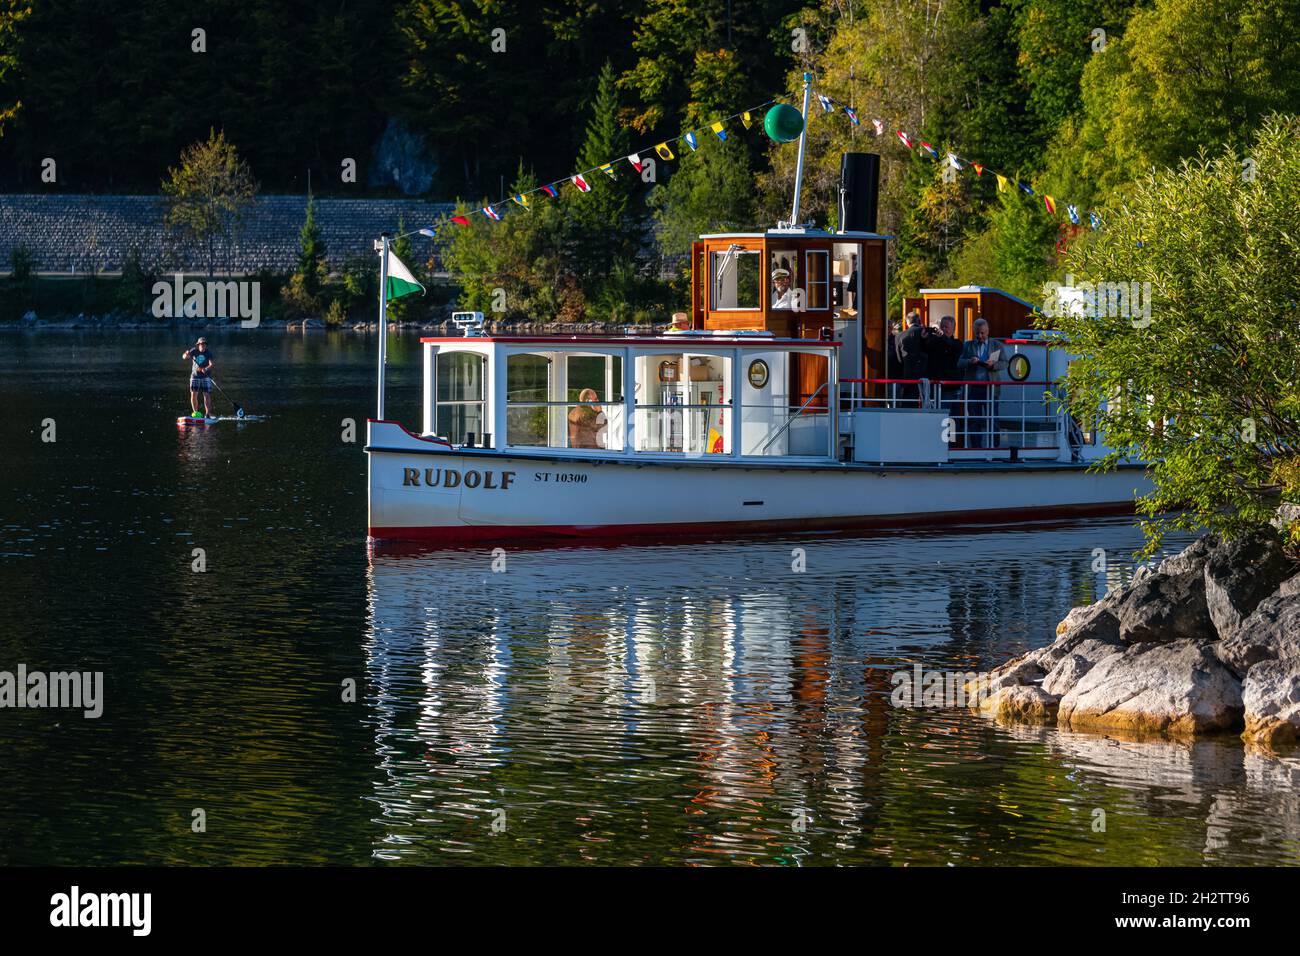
point(311, 251)
point(602, 229)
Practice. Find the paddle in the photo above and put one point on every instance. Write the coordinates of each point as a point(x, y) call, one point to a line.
point(239, 409)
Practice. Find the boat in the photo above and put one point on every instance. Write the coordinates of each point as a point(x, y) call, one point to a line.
point(767, 407)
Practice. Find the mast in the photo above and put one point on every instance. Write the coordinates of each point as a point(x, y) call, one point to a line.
point(803, 138)
point(382, 246)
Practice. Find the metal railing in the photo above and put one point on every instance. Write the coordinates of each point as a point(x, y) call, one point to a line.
point(985, 415)
point(789, 421)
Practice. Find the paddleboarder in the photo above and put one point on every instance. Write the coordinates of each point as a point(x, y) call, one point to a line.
point(200, 377)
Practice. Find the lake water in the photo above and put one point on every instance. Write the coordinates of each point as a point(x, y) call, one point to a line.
point(698, 703)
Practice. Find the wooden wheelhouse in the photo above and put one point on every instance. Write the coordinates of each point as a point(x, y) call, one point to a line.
point(833, 289)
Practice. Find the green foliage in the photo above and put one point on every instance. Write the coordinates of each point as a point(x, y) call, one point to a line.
point(1023, 237)
point(12, 13)
point(311, 251)
point(1218, 365)
point(525, 255)
point(134, 291)
point(1055, 41)
point(21, 264)
point(207, 194)
point(691, 53)
point(712, 191)
point(602, 226)
point(336, 314)
point(1179, 80)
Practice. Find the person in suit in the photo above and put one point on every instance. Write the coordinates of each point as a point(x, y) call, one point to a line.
point(911, 349)
point(893, 364)
point(942, 351)
point(981, 363)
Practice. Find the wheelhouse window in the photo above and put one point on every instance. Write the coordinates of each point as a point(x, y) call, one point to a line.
point(784, 280)
point(458, 410)
point(819, 280)
point(736, 280)
point(683, 403)
point(565, 400)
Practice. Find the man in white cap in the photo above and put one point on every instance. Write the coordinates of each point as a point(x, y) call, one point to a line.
point(200, 377)
point(782, 295)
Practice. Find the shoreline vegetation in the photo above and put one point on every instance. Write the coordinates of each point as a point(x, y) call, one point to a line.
point(49, 303)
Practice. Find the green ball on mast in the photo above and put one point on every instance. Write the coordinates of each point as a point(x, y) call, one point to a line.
point(783, 123)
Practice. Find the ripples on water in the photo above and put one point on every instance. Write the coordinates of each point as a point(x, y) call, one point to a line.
point(695, 702)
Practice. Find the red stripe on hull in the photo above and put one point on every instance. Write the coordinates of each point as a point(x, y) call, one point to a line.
point(472, 534)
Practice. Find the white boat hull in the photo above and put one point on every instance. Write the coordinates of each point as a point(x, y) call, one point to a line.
point(425, 490)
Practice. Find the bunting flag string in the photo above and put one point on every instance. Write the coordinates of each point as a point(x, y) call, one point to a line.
point(663, 150)
point(958, 163)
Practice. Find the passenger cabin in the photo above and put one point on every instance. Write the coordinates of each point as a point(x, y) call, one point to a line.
point(676, 395)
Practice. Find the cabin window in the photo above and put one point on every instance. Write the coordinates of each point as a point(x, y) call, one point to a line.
point(737, 283)
point(528, 389)
point(786, 412)
point(784, 280)
point(819, 280)
point(563, 400)
point(458, 411)
point(683, 403)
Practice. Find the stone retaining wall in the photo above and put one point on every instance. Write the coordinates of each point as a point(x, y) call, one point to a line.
point(76, 233)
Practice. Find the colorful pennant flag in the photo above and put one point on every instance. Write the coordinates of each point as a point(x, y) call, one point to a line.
point(429, 231)
point(491, 213)
point(400, 281)
point(608, 170)
point(691, 141)
point(747, 118)
point(550, 190)
point(955, 161)
point(460, 220)
point(663, 151)
point(720, 130)
point(522, 199)
point(582, 184)
point(635, 160)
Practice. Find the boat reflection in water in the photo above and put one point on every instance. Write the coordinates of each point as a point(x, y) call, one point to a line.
point(711, 703)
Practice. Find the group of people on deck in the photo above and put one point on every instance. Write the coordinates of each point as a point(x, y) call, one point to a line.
point(966, 371)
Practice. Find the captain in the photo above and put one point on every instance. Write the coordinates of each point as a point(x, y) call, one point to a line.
point(783, 297)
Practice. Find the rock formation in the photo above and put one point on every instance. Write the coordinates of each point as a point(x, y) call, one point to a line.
point(1207, 641)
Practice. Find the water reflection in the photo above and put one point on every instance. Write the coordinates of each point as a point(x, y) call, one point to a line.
point(704, 703)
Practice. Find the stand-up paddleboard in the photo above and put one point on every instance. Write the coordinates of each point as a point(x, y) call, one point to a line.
point(187, 420)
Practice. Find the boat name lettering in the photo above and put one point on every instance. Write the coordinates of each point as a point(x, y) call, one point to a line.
point(451, 478)
point(561, 477)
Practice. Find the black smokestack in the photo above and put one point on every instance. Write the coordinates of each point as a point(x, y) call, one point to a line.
point(859, 191)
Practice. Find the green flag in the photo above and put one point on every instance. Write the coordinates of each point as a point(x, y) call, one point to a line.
point(400, 280)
